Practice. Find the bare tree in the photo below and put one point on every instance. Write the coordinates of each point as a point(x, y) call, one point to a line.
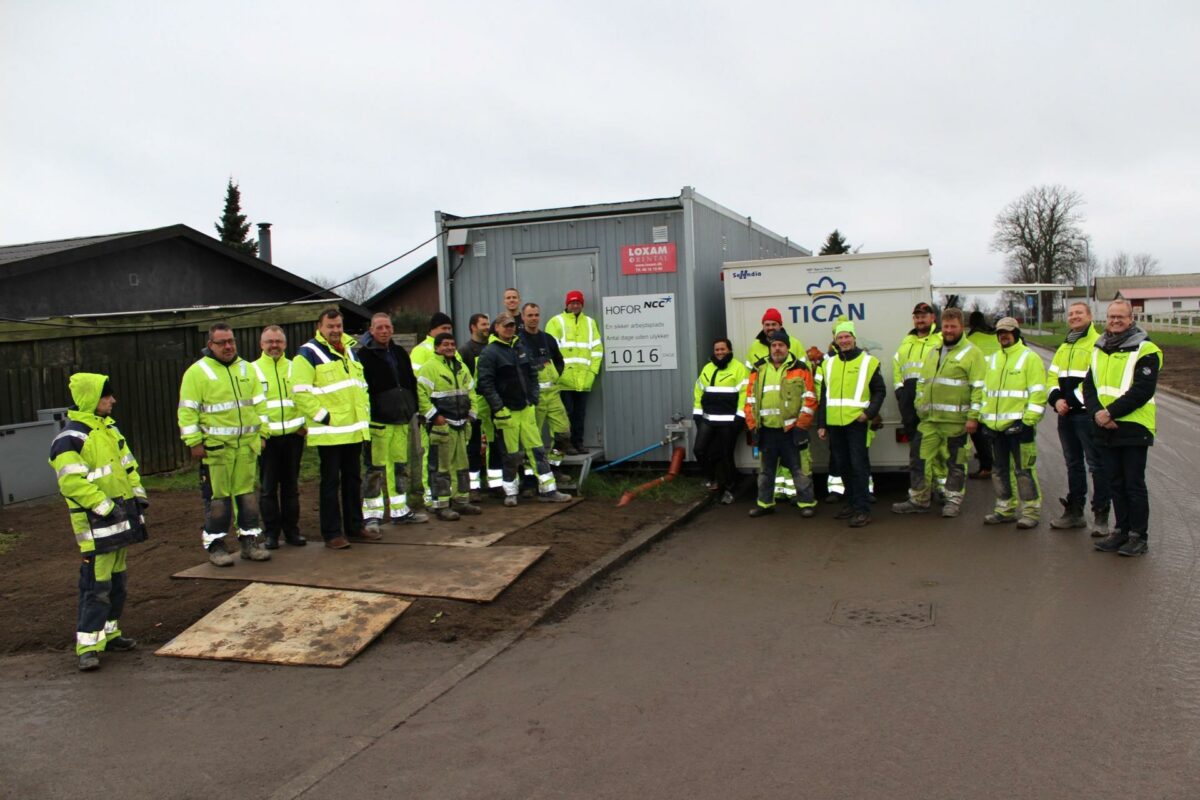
point(1119, 265)
point(1144, 264)
point(1040, 236)
point(356, 291)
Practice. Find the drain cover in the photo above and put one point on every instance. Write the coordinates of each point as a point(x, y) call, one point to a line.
point(882, 614)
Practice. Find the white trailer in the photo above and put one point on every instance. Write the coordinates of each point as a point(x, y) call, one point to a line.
point(876, 291)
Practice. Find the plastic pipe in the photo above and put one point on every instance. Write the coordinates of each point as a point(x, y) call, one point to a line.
point(623, 459)
point(672, 471)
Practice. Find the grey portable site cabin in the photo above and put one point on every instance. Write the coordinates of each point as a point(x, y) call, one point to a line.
point(650, 273)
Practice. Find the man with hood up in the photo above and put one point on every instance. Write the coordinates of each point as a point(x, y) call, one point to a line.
point(1014, 401)
point(221, 407)
point(758, 354)
point(1119, 388)
point(98, 477)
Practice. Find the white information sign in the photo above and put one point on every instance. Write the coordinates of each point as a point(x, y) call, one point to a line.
point(639, 332)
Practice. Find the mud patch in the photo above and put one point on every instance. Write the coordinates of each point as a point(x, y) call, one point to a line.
point(902, 614)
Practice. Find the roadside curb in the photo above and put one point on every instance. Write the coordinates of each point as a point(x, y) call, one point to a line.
point(398, 714)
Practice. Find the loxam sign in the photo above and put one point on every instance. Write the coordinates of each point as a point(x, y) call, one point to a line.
point(827, 302)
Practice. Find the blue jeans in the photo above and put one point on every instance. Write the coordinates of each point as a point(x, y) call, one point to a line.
point(1079, 447)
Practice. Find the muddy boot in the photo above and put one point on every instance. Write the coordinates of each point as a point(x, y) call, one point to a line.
point(951, 510)
point(999, 519)
point(1025, 523)
point(762, 511)
point(218, 554)
point(909, 507)
point(252, 549)
point(1072, 517)
point(447, 514)
point(1100, 524)
point(565, 481)
point(411, 518)
point(510, 501)
point(554, 497)
point(466, 509)
point(121, 644)
point(89, 661)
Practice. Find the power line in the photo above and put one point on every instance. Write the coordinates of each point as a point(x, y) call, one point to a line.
point(151, 326)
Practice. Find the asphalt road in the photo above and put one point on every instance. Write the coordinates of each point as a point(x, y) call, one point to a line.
point(709, 668)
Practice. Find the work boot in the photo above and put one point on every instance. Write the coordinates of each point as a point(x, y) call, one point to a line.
point(338, 543)
point(272, 541)
point(845, 512)
point(252, 549)
point(951, 509)
point(295, 539)
point(447, 514)
point(564, 481)
point(475, 496)
point(807, 511)
point(369, 533)
point(89, 661)
point(1135, 546)
point(909, 507)
point(762, 511)
point(1113, 542)
point(999, 519)
point(411, 518)
point(121, 644)
point(554, 497)
point(1025, 523)
point(860, 520)
point(510, 501)
point(467, 509)
point(1100, 523)
point(218, 554)
point(1072, 517)
point(727, 498)
point(833, 497)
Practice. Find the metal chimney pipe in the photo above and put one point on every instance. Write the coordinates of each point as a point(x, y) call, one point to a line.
point(264, 241)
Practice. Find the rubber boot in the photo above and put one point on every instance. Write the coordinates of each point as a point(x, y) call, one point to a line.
point(1072, 517)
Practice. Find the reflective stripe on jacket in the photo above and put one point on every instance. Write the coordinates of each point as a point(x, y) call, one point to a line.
point(760, 350)
point(331, 392)
point(1014, 388)
point(1113, 376)
point(221, 404)
point(444, 387)
point(1069, 367)
point(906, 363)
point(781, 396)
point(950, 387)
point(281, 415)
point(847, 387)
point(720, 393)
point(579, 342)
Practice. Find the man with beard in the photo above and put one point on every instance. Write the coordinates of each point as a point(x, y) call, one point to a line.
point(758, 354)
point(906, 369)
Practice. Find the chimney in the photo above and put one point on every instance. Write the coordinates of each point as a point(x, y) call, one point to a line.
point(264, 241)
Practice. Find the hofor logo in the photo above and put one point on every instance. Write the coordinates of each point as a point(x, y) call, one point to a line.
point(827, 303)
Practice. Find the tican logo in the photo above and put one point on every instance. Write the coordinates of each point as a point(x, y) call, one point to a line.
point(827, 303)
point(742, 274)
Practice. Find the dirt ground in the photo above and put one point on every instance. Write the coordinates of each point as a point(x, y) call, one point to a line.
point(1181, 369)
point(39, 593)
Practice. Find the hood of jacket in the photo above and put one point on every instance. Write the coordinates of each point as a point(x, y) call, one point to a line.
point(86, 390)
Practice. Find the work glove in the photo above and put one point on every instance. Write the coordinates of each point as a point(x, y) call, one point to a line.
point(1016, 429)
point(143, 502)
point(114, 517)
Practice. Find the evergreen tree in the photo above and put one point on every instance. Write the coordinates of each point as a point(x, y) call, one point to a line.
point(233, 228)
point(835, 245)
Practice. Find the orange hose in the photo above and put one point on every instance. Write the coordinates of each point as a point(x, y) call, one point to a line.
point(672, 471)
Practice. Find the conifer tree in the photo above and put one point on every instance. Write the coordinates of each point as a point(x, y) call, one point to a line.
point(835, 245)
point(232, 228)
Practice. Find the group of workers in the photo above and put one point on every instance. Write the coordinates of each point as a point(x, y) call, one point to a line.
point(955, 388)
point(247, 423)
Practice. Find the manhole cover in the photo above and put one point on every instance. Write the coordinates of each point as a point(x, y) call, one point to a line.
point(882, 614)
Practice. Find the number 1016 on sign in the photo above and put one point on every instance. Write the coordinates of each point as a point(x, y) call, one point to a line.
point(635, 358)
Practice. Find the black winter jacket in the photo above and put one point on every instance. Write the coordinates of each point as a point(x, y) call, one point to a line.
point(505, 375)
point(391, 384)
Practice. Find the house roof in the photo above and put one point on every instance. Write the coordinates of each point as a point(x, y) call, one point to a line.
point(1153, 293)
point(19, 259)
point(398, 284)
point(1107, 286)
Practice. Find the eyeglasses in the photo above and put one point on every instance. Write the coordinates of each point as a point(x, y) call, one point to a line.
point(221, 342)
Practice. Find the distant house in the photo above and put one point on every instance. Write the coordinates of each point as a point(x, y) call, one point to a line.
point(415, 293)
point(163, 269)
point(1149, 294)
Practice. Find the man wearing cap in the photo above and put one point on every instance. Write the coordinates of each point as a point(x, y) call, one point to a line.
point(578, 338)
point(1075, 426)
point(283, 444)
point(780, 405)
point(444, 400)
point(221, 406)
point(983, 336)
point(98, 477)
point(1013, 403)
point(759, 353)
point(852, 392)
point(1120, 387)
point(919, 342)
point(392, 392)
point(948, 402)
point(508, 381)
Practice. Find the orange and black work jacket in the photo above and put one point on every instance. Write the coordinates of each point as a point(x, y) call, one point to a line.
point(781, 396)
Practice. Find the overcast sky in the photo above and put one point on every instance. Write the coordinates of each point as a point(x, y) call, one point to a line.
point(906, 125)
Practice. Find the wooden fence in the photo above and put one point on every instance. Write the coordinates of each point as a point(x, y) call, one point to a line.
point(147, 395)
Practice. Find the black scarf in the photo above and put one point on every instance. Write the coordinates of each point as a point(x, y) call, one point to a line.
point(722, 363)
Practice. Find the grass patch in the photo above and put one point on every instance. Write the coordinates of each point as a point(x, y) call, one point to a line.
point(7, 541)
point(1058, 332)
point(611, 485)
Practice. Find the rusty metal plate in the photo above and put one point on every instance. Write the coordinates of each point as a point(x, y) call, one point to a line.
point(904, 614)
point(488, 528)
point(459, 573)
point(288, 625)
